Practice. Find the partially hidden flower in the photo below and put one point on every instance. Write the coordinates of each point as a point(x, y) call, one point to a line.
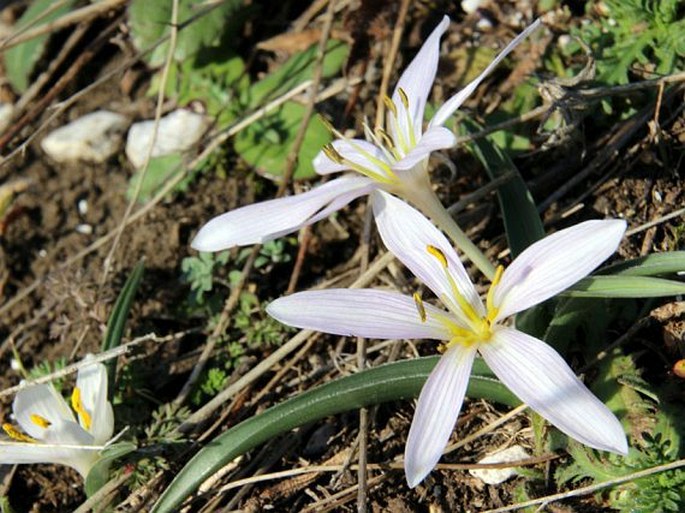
point(50, 431)
point(534, 371)
point(393, 159)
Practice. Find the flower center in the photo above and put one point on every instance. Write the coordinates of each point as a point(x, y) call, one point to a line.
point(40, 421)
point(473, 327)
point(393, 149)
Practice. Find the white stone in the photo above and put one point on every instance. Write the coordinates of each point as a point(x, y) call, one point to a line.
point(6, 111)
point(93, 138)
point(471, 6)
point(495, 476)
point(177, 132)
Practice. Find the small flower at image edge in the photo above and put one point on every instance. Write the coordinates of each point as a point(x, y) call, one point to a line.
point(52, 431)
point(534, 371)
point(393, 159)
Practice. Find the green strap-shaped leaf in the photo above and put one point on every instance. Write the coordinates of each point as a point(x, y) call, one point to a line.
point(521, 219)
point(117, 319)
point(623, 286)
point(650, 265)
point(391, 382)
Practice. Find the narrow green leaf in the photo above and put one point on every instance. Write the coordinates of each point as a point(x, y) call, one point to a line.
point(99, 474)
point(623, 286)
point(650, 265)
point(521, 219)
point(391, 382)
point(117, 319)
point(20, 60)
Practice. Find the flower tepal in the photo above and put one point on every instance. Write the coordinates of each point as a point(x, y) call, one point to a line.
point(393, 158)
point(468, 326)
point(52, 431)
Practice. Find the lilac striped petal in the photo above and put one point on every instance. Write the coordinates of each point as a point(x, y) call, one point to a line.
point(416, 82)
point(450, 106)
point(407, 233)
point(271, 219)
point(435, 138)
point(40, 400)
point(358, 151)
point(365, 313)
point(541, 378)
point(92, 382)
point(554, 263)
point(436, 412)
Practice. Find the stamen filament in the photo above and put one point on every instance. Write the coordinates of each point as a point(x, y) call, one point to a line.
point(407, 114)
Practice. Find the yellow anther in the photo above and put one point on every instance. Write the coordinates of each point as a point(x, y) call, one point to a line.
point(419, 306)
point(327, 123)
point(39, 420)
point(17, 435)
point(390, 105)
point(333, 154)
point(403, 96)
point(78, 407)
point(437, 253)
point(385, 137)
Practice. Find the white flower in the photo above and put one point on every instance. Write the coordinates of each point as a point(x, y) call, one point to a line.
point(393, 159)
point(51, 432)
point(529, 367)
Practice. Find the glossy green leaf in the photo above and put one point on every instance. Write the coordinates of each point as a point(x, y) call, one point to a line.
point(21, 59)
point(99, 474)
point(650, 265)
point(200, 26)
point(391, 382)
point(266, 144)
point(158, 172)
point(625, 287)
point(294, 71)
point(521, 219)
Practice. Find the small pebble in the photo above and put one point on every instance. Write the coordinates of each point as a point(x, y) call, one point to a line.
point(495, 476)
point(178, 132)
point(85, 229)
point(82, 206)
point(94, 137)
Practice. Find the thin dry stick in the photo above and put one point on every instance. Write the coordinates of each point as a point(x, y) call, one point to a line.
point(98, 497)
point(153, 139)
point(656, 222)
point(219, 329)
point(586, 490)
point(84, 57)
point(287, 175)
point(100, 357)
point(168, 187)
point(361, 365)
point(309, 109)
point(77, 16)
point(390, 61)
point(278, 355)
point(46, 76)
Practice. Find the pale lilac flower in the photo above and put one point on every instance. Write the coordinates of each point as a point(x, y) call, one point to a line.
point(52, 432)
point(393, 159)
point(534, 371)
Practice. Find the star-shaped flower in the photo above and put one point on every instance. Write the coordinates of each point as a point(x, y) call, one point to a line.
point(530, 368)
point(393, 159)
point(51, 432)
